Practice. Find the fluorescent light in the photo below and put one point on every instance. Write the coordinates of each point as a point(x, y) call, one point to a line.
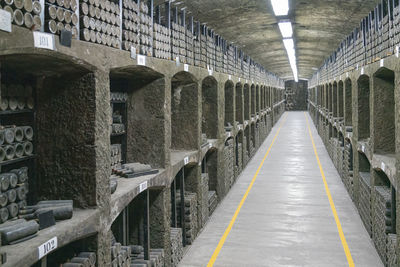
point(281, 7)
point(289, 44)
point(286, 29)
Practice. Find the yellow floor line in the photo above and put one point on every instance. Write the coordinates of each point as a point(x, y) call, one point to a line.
point(328, 193)
point(232, 222)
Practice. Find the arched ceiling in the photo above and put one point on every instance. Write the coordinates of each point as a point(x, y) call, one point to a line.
point(319, 27)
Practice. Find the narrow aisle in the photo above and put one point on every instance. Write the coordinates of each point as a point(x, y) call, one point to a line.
point(286, 219)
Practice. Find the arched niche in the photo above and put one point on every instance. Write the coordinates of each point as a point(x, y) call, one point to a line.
point(229, 102)
point(184, 112)
point(348, 101)
point(363, 108)
point(210, 107)
point(239, 103)
point(384, 112)
point(246, 93)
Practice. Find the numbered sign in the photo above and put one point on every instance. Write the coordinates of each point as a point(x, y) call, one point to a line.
point(186, 67)
point(143, 186)
point(381, 62)
point(186, 160)
point(230, 77)
point(209, 145)
point(133, 52)
point(47, 247)
point(43, 40)
point(5, 20)
point(383, 166)
point(141, 60)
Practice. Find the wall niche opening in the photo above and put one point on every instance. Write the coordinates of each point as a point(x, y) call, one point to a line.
point(229, 103)
point(184, 112)
point(384, 112)
point(210, 107)
point(363, 108)
point(348, 105)
point(239, 103)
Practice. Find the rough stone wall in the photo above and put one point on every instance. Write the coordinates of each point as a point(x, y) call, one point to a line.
point(210, 107)
point(229, 152)
point(66, 111)
point(383, 115)
point(145, 124)
point(184, 110)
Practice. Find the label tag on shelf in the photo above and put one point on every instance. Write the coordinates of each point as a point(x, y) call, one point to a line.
point(239, 79)
point(381, 62)
point(210, 72)
point(186, 67)
point(229, 77)
point(347, 75)
point(229, 134)
point(246, 81)
point(397, 51)
point(141, 60)
point(362, 71)
point(47, 247)
point(186, 160)
point(178, 62)
point(357, 67)
point(5, 21)
point(133, 52)
point(43, 40)
point(142, 186)
point(209, 145)
point(382, 166)
point(363, 149)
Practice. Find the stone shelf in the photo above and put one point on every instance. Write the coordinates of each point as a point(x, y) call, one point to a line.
point(82, 224)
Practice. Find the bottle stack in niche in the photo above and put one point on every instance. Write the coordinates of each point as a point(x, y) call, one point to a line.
point(130, 25)
point(60, 15)
point(24, 13)
point(176, 246)
point(178, 37)
point(101, 22)
point(191, 219)
point(382, 220)
point(162, 42)
point(365, 201)
point(146, 31)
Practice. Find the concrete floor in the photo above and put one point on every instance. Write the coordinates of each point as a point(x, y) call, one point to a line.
point(286, 219)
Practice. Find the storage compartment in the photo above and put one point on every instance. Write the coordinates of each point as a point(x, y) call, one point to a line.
point(210, 107)
point(364, 205)
point(184, 112)
point(348, 114)
point(246, 93)
point(363, 108)
point(335, 100)
point(239, 103)
point(229, 103)
point(384, 112)
point(340, 101)
point(253, 100)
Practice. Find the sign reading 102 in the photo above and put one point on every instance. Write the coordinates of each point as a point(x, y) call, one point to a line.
point(47, 247)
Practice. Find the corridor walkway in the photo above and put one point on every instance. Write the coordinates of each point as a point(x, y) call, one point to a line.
point(286, 219)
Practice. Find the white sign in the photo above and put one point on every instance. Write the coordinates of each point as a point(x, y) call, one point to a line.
point(210, 72)
point(381, 62)
point(230, 77)
point(229, 134)
point(382, 166)
point(142, 187)
point(209, 145)
point(178, 62)
point(239, 79)
point(397, 51)
point(246, 81)
point(5, 20)
point(47, 247)
point(141, 60)
point(363, 149)
point(133, 52)
point(362, 71)
point(347, 75)
point(348, 135)
point(43, 40)
point(186, 67)
point(357, 67)
point(186, 160)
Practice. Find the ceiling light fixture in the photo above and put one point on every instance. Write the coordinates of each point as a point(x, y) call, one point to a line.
point(286, 29)
point(281, 7)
